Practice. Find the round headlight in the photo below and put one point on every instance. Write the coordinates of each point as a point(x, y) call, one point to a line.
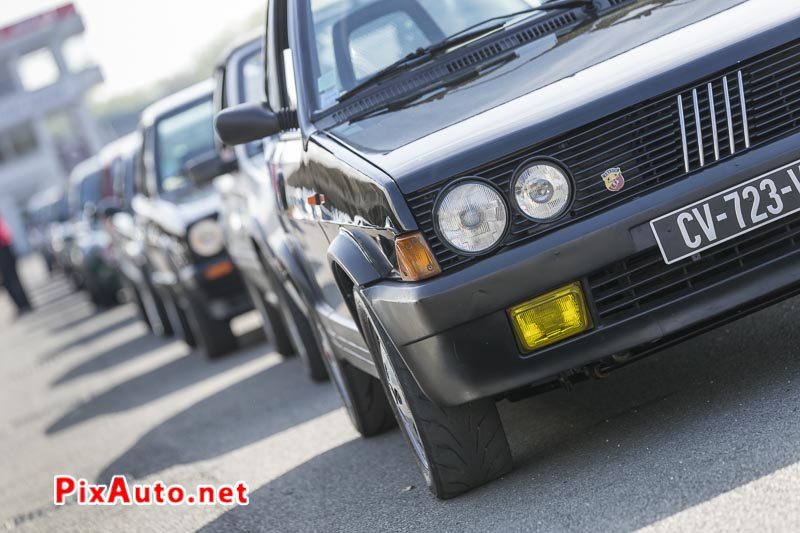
point(205, 238)
point(542, 191)
point(472, 217)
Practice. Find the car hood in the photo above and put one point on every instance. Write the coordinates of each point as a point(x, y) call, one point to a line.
point(460, 127)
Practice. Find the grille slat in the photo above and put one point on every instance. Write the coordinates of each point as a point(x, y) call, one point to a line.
point(755, 102)
point(644, 281)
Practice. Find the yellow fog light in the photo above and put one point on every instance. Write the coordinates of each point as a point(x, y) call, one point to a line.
point(550, 318)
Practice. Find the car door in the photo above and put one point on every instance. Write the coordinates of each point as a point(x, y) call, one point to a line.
point(301, 184)
point(298, 181)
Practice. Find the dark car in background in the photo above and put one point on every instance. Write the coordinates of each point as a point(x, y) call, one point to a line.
point(119, 160)
point(89, 250)
point(249, 216)
point(487, 204)
point(176, 210)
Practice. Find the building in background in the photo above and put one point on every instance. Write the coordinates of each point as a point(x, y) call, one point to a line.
point(45, 127)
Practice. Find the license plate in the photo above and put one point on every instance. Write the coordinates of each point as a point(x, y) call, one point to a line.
point(728, 214)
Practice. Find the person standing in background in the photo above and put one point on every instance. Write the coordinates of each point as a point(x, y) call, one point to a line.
point(8, 270)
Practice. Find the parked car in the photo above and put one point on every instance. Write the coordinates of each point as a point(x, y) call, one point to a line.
point(44, 210)
point(61, 239)
point(119, 161)
point(249, 216)
point(89, 251)
point(536, 201)
point(176, 209)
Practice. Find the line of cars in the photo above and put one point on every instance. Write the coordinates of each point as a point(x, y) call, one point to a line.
point(68, 226)
point(441, 205)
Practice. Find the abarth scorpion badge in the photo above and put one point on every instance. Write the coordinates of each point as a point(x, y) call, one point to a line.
point(613, 179)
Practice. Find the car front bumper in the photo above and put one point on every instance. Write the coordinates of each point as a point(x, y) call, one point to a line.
point(224, 297)
point(454, 333)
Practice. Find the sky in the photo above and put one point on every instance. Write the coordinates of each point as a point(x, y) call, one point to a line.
point(139, 42)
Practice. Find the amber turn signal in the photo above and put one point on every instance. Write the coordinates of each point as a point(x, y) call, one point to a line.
point(316, 199)
point(550, 318)
point(219, 270)
point(415, 258)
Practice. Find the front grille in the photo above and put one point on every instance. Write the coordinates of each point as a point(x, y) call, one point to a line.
point(708, 124)
point(647, 142)
point(644, 281)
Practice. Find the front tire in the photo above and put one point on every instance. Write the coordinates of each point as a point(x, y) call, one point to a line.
point(274, 327)
point(154, 312)
point(457, 448)
point(137, 299)
point(213, 337)
point(301, 334)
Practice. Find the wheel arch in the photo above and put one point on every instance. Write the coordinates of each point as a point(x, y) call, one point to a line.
point(356, 260)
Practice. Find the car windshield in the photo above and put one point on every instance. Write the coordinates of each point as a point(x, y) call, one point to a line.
point(181, 137)
point(350, 40)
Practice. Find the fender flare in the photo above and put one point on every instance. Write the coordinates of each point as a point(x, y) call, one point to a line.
point(357, 256)
point(292, 276)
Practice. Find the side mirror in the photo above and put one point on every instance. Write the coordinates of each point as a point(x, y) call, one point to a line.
point(244, 123)
point(203, 169)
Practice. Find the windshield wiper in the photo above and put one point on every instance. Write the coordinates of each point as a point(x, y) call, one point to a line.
point(470, 33)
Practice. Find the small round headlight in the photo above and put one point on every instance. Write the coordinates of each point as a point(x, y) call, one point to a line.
point(472, 217)
point(542, 191)
point(205, 238)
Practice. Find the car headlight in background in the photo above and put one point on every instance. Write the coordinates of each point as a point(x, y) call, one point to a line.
point(205, 238)
point(472, 217)
point(542, 191)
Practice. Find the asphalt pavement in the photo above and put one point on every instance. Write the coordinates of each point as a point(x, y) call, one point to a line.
point(702, 437)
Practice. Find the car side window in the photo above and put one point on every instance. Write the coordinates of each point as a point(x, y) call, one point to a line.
point(251, 90)
point(252, 77)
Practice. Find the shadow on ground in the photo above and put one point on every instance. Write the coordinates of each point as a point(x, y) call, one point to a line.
point(70, 309)
point(271, 401)
point(653, 439)
point(110, 328)
point(120, 354)
point(162, 381)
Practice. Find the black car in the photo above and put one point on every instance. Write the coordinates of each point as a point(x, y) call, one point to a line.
point(249, 215)
point(492, 204)
point(91, 259)
point(176, 209)
point(119, 161)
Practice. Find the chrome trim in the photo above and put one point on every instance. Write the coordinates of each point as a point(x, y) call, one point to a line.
point(698, 127)
point(683, 133)
point(728, 111)
point(744, 112)
point(714, 132)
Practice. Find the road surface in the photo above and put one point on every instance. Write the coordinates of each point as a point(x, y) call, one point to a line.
point(704, 436)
